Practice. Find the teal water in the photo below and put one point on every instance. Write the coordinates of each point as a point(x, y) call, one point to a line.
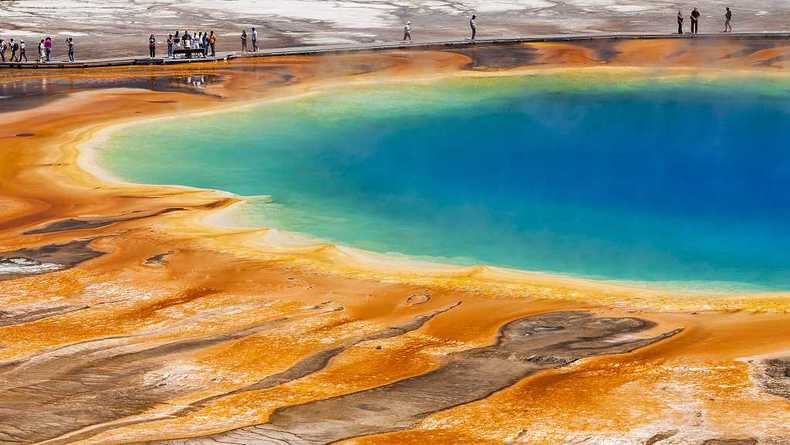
point(679, 180)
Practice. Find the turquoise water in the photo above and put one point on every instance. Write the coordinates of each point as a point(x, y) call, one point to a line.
point(680, 180)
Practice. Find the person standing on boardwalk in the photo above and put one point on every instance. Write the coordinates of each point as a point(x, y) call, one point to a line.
point(728, 21)
point(212, 42)
point(151, 46)
point(680, 23)
point(254, 40)
point(70, 48)
point(407, 32)
point(695, 21)
point(48, 48)
point(13, 47)
point(170, 45)
point(22, 52)
point(41, 51)
point(3, 49)
point(244, 40)
point(473, 26)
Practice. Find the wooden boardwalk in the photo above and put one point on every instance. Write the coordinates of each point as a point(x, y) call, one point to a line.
point(380, 46)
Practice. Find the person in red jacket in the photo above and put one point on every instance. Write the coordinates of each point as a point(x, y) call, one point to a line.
point(48, 48)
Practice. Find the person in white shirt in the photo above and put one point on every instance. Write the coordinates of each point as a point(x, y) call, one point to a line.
point(254, 40)
point(22, 52)
point(407, 32)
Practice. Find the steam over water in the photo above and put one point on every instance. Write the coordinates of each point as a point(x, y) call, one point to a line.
point(682, 180)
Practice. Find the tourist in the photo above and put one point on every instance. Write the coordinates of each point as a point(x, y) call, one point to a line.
point(70, 48)
point(407, 32)
point(473, 25)
point(14, 49)
point(3, 49)
point(212, 41)
point(204, 44)
point(170, 45)
point(184, 40)
point(41, 51)
point(243, 40)
point(48, 48)
point(728, 21)
point(188, 40)
point(695, 15)
point(680, 23)
point(22, 52)
point(152, 46)
point(254, 40)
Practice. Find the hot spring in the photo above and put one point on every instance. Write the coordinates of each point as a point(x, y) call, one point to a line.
point(666, 180)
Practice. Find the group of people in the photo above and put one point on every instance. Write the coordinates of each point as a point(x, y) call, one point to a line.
point(253, 37)
point(203, 42)
point(695, 16)
point(13, 51)
point(249, 41)
point(472, 27)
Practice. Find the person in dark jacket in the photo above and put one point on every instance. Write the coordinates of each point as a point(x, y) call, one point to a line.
point(70, 48)
point(728, 21)
point(695, 15)
point(152, 46)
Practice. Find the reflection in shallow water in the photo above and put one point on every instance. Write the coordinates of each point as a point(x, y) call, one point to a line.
point(28, 93)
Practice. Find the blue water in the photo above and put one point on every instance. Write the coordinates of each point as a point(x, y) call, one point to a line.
point(682, 180)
